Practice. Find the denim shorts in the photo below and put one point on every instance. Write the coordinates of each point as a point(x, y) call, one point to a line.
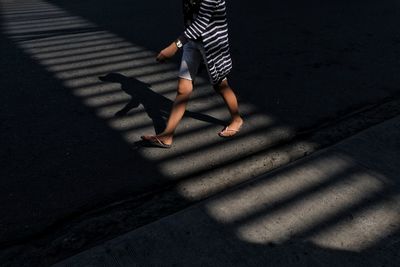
point(193, 55)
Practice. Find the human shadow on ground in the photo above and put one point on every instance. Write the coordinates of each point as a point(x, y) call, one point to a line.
point(155, 105)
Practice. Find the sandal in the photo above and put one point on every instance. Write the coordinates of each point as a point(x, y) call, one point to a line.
point(226, 132)
point(155, 142)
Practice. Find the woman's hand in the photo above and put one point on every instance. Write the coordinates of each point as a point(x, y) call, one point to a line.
point(167, 53)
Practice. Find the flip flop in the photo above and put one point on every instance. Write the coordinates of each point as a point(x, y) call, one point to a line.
point(156, 142)
point(227, 130)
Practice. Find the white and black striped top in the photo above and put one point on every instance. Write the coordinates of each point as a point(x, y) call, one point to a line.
point(211, 28)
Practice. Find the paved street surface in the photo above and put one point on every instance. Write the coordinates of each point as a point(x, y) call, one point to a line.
point(338, 207)
point(80, 85)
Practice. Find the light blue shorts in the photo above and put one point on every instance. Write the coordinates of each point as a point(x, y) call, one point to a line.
point(193, 55)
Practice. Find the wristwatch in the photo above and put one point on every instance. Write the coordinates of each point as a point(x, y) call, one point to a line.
point(178, 43)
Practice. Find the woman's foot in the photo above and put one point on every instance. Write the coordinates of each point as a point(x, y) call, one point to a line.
point(160, 140)
point(232, 129)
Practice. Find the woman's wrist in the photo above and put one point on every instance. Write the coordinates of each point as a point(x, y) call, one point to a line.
point(183, 39)
point(178, 43)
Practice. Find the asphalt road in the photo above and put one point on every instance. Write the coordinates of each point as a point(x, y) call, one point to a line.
point(297, 64)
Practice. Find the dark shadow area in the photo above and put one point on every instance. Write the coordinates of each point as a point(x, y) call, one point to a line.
point(155, 105)
point(301, 253)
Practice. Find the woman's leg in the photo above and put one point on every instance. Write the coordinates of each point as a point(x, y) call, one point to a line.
point(230, 99)
point(185, 88)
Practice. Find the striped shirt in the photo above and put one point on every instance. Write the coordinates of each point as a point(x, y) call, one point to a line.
point(211, 28)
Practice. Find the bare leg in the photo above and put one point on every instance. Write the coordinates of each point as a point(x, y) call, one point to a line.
point(185, 88)
point(231, 101)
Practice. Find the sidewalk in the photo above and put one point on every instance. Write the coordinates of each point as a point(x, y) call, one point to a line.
point(338, 207)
